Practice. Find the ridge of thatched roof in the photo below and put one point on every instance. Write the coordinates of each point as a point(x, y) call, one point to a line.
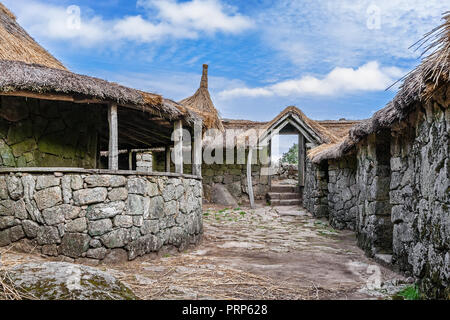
point(17, 45)
point(418, 86)
point(201, 104)
point(321, 131)
point(19, 78)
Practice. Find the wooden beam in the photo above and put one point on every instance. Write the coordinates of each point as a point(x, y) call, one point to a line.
point(301, 160)
point(167, 153)
point(178, 146)
point(197, 149)
point(113, 159)
point(249, 178)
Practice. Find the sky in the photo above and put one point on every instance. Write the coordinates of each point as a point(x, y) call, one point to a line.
point(332, 59)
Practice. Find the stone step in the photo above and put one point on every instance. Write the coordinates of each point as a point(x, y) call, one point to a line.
point(283, 196)
point(284, 189)
point(288, 202)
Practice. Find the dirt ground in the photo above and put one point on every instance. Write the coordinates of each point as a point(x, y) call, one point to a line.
point(262, 253)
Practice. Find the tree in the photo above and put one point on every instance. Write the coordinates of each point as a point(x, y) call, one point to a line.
point(291, 156)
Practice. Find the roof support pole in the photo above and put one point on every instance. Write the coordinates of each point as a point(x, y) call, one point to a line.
point(178, 147)
point(301, 160)
point(167, 154)
point(113, 159)
point(197, 149)
point(249, 177)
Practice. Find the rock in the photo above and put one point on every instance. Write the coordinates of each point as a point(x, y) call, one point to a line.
point(31, 228)
point(142, 246)
point(97, 253)
point(20, 210)
point(137, 186)
point(15, 187)
point(115, 239)
point(77, 225)
point(16, 233)
point(48, 198)
point(118, 194)
point(116, 256)
point(117, 181)
point(7, 222)
point(150, 226)
point(67, 281)
point(98, 181)
point(123, 221)
point(66, 188)
point(74, 244)
point(54, 216)
point(138, 205)
point(95, 243)
point(44, 182)
point(48, 235)
point(3, 188)
point(221, 195)
point(156, 208)
point(152, 189)
point(5, 237)
point(100, 227)
point(105, 210)
point(50, 250)
point(90, 196)
point(76, 182)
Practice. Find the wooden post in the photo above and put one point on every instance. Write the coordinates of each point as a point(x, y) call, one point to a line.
point(178, 147)
point(130, 160)
point(249, 178)
point(197, 150)
point(301, 160)
point(113, 160)
point(167, 153)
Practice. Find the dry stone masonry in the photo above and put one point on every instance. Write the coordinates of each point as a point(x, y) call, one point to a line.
point(95, 217)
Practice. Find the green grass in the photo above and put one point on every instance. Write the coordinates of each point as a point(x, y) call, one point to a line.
point(409, 293)
point(242, 213)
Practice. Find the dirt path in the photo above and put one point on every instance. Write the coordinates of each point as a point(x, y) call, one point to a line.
point(266, 253)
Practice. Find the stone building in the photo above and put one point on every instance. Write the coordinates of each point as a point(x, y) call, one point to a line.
point(389, 178)
point(56, 193)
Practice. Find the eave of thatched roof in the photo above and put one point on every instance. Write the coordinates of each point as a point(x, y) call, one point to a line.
point(22, 79)
point(418, 86)
point(17, 45)
point(201, 104)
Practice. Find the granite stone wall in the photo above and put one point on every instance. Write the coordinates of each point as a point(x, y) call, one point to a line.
point(40, 133)
point(315, 192)
point(420, 197)
point(343, 193)
point(374, 227)
point(95, 217)
point(144, 161)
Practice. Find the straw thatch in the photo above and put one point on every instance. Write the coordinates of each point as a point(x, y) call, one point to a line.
point(338, 128)
point(322, 132)
point(201, 104)
point(418, 86)
point(17, 45)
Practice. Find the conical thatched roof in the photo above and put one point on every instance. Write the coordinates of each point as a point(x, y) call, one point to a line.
point(17, 45)
point(202, 104)
point(418, 86)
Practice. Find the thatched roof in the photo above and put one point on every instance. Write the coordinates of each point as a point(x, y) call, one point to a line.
point(418, 86)
point(326, 135)
point(18, 77)
point(201, 104)
point(17, 45)
point(338, 128)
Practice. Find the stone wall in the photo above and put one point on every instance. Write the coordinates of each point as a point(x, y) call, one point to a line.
point(420, 197)
point(144, 161)
point(343, 193)
point(91, 217)
point(40, 133)
point(234, 177)
point(373, 224)
point(315, 192)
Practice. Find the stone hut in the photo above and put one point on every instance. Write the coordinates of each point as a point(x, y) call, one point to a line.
point(56, 193)
point(388, 179)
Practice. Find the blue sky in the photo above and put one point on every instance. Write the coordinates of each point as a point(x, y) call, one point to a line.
point(333, 59)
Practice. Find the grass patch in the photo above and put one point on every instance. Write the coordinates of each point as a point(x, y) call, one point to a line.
point(408, 293)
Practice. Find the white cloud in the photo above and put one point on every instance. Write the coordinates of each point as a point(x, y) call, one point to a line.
point(160, 20)
point(368, 77)
point(311, 32)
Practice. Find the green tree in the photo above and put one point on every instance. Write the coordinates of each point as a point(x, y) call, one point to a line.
point(291, 156)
